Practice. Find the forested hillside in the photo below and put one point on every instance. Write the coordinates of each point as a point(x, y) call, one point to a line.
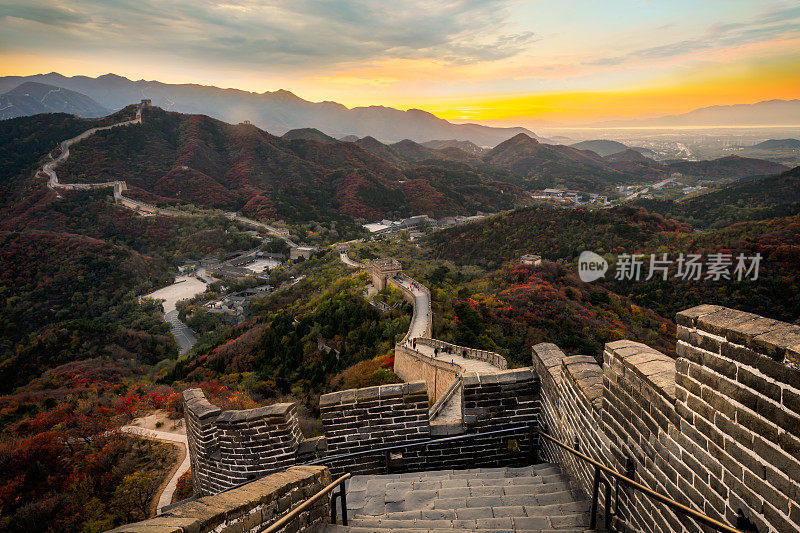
point(178, 159)
point(509, 308)
point(562, 234)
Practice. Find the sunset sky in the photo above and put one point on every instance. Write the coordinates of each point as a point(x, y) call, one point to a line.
point(518, 62)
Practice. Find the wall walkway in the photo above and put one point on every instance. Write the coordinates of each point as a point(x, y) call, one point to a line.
point(439, 371)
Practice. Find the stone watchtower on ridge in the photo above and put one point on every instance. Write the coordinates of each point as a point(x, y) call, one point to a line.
point(380, 269)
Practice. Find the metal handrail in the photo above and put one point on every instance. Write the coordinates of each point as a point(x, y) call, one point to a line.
point(619, 478)
point(294, 513)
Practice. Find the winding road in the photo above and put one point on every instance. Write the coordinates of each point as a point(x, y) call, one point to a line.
point(184, 336)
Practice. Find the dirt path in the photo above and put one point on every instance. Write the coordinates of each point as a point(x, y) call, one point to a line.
point(167, 489)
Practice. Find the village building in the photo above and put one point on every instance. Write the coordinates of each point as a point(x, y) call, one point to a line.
point(531, 259)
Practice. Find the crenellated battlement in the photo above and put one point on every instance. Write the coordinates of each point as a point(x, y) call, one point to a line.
point(718, 429)
point(231, 447)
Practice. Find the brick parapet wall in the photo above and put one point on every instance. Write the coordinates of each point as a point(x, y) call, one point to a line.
point(230, 447)
point(717, 430)
point(252, 507)
point(638, 415)
point(201, 434)
point(365, 419)
point(438, 376)
point(571, 397)
point(737, 399)
point(499, 400)
point(470, 353)
point(375, 417)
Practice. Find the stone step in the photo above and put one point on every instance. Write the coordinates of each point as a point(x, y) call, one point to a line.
point(354, 529)
point(511, 518)
point(543, 469)
point(424, 500)
point(539, 482)
point(453, 514)
point(532, 498)
point(375, 484)
point(388, 496)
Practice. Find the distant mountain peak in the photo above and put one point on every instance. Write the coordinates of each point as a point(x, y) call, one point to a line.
point(111, 76)
point(308, 134)
point(602, 147)
point(767, 112)
point(520, 139)
point(22, 88)
point(32, 98)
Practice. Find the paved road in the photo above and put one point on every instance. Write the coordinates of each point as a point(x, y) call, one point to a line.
point(166, 496)
point(186, 337)
point(349, 262)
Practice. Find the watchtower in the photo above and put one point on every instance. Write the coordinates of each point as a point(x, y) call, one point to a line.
point(380, 269)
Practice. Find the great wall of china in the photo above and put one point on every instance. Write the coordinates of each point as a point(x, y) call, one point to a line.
point(48, 171)
point(717, 430)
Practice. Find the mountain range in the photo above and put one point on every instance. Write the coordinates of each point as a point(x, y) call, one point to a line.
point(767, 113)
point(307, 175)
point(175, 158)
point(276, 112)
point(31, 98)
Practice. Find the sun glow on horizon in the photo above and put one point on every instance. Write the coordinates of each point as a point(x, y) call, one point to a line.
point(500, 63)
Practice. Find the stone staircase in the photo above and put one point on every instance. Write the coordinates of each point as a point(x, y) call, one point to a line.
point(525, 500)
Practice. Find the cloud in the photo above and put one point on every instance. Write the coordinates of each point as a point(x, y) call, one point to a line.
point(44, 14)
point(766, 26)
point(276, 33)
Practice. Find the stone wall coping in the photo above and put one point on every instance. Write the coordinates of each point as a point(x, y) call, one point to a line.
point(546, 358)
point(549, 354)
point(393, 390)
point(277, 410)
point(197, 403)
point(209, 512)
point(587, 376)
point(515, 375)
point(688, 317)
point(652, 366)
point(773, 338)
